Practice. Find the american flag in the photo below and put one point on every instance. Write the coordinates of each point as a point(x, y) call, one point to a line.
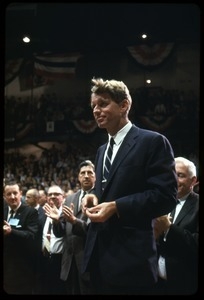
point(56, 66)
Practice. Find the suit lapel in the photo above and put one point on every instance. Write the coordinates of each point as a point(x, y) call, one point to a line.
point(126, 146)
point(188, 205)
point(123, 151)
point(76, 202)
point(6, 212)
point(19, 210)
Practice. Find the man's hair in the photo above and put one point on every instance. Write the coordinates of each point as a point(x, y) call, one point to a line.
point(10, 182)
point(86, 163)
point(33, 192)
point(116, 89)
point(188, 164)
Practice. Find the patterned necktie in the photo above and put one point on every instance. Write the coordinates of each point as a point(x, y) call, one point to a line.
point(80, 200)
point(107, 164)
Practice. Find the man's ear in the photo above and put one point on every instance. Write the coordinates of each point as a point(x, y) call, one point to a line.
point(124, 105)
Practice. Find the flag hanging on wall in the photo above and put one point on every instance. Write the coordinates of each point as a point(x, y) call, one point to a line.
point(56, 65)
point(12, 69)
point(29, 80)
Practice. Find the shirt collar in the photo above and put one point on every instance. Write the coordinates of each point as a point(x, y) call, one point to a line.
point(87, 192)
point(120, 135)
point(184, 197)
point(14, 209)
point(37, 206)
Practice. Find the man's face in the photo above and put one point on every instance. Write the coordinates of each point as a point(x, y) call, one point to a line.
point(184, 180)
point(12, 195)
point(55, 196)
point(107, 112)
point(31, 199)
point(87, 177)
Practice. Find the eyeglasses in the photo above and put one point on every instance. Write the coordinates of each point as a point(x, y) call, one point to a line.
point(54, 194)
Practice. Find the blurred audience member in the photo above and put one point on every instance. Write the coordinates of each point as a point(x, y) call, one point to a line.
point(177, 237)
point(43, 197)
point(52, 246)
point(19, 248)
point(73, 225)
point(32, 199)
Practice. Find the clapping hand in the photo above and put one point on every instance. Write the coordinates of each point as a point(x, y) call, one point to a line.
point(69, 213)
point(161, 225)
point(51, 212)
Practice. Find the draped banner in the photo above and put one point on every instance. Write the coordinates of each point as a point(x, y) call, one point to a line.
point(151, 122)
point(85, 126)
point(12, 69)
point(157, 111)
point(150, 56)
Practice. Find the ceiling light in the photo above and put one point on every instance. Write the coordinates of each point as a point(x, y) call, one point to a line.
point(26, 39)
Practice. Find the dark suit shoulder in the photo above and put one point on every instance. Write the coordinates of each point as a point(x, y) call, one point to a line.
point(27, 209)
point(194, 195)
point(71, 197)
point(193, 199)
point(145, 132)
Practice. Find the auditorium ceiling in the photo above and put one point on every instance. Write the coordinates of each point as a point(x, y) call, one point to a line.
point(89, 27)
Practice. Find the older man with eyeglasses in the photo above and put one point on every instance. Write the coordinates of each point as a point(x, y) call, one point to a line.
point(52, 246)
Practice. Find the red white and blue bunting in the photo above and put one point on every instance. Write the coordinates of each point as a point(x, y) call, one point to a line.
point(150, 56)
point(85, 126)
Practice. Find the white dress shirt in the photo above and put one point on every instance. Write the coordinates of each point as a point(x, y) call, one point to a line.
point(161, 261)
point(118, 138)
point(55, 245)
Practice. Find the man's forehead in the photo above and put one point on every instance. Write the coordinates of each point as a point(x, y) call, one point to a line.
point(86, 168)
point(11, 187)
point(30, 194)
point(54, 190)
point(101, 96)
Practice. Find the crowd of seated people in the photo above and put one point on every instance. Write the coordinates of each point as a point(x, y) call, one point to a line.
point(59, 166)
point(53, 166)
point(155, 103)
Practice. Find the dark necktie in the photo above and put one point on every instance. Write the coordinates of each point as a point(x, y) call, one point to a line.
point(11, 214)
point(80, 200)
point(174, 210)
point(107, 164)
point(49, 231)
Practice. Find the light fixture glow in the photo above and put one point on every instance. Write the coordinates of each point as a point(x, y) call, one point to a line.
point(26, 39)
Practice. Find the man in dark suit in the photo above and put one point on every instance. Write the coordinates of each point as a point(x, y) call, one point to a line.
point(52, 246)
point(20, 230)
point(32, 199)
point(177, 237)
point(120, 250)
point(73, 225)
